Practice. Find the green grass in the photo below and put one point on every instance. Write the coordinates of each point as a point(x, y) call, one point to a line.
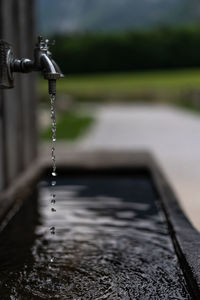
point(70, 126)
point(153, 85)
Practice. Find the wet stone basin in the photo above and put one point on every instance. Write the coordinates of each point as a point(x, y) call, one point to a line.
point(111, 242)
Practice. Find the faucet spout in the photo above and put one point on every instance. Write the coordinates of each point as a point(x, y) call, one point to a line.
point(47, 65)
point(50, 72)
point(57, 68)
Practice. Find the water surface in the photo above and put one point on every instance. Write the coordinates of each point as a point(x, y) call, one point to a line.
point(111, 242)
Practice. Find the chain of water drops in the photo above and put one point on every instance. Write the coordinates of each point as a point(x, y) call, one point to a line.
point(53, 158)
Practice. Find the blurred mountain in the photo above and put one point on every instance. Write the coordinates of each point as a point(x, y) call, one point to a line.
point(55, 16)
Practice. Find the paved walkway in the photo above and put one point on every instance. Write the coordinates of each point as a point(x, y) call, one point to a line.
point(172, 135)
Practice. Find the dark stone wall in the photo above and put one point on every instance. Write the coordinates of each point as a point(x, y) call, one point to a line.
point(18, 105)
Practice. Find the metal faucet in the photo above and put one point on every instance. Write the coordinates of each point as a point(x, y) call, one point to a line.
point(42, 62)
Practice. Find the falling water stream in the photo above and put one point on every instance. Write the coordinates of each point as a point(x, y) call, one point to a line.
point(53, 158)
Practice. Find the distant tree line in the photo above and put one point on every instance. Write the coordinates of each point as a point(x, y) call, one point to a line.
point(142, 50)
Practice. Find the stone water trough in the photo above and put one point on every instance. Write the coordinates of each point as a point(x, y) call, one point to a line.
point(119, 232)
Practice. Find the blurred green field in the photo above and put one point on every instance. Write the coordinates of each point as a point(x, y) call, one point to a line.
point(153, 85)
point(179, 87)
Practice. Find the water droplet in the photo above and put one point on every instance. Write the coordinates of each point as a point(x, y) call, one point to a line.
point(54, 174)
point(53, 183)
point(52, 230)
point(53, 201)
point(54, 139)
point(52, 259)
point(53, 209)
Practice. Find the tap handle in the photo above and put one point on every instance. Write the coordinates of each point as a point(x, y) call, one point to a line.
point(50, 43)
point(44, 44)
point(40, 42)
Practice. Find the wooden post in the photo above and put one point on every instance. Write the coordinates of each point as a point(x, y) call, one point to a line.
point(18, 106)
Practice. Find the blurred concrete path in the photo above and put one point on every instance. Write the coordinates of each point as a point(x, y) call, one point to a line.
point(172, 135)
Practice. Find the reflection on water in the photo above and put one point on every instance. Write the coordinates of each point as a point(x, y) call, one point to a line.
point(110, 243)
